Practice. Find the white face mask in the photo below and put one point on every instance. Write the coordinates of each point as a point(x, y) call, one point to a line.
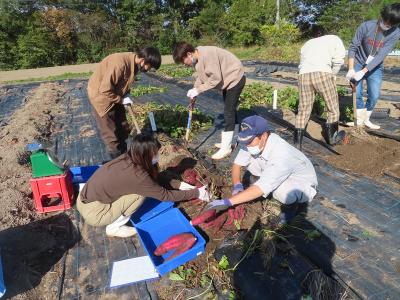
point(194, 61)
point(383, 26)
point(253, 150)
point(154, 160)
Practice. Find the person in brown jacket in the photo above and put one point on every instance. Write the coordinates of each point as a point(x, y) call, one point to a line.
point(216, 68)
point(108, 91)
point(118, 188)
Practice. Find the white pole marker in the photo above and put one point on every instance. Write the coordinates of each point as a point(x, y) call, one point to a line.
point(152, 121)
point(275, 100)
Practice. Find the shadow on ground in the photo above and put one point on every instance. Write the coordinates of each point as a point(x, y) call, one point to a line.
point(287, 262)
point(32, 250)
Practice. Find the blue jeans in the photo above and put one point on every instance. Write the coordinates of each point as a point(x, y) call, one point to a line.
point(374, 82)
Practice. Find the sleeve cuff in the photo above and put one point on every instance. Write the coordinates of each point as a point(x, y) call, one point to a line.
point(263, 187)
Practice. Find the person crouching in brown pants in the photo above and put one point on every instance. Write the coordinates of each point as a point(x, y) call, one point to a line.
point(108, 91)
point(118, 188)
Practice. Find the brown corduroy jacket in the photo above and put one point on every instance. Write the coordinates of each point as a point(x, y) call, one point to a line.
point(111, 80)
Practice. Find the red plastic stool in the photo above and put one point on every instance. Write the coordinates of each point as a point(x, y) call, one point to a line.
point(53, 193)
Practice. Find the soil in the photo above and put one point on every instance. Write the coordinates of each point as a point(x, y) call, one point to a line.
point(33, 121)
point(174, 160)
point(367, 155)
point(364, 154)
point(31, 244)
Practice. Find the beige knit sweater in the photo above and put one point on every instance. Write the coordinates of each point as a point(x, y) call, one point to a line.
point(217, 68)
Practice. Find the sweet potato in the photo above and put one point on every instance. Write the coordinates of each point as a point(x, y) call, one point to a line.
point(236, 213)
point(217, 223)
point(190, 176)
point(174, 242)
point(204, 217)
point(186, 246)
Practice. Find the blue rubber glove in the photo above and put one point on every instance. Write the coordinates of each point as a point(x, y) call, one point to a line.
point(237, 188)
point(219, 205)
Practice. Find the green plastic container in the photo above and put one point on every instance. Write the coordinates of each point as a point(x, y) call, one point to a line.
point(44, 164)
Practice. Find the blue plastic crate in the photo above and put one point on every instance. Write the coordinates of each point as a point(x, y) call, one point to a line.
point(149, 209)
point(155, 231)
point(82, 174)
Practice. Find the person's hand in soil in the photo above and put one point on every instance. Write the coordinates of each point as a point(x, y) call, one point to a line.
point(219, 205)
point(237, 188)
point(204, 194)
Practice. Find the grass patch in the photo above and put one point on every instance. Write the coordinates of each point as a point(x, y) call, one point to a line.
point(289, 53)
point(175, 71)
point(261, 94)
point(64, 76)
point(143, 90)
point(170, 119)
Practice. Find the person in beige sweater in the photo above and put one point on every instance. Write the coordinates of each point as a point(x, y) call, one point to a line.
point(118, 188)
point(220, 69)
point(108, 91)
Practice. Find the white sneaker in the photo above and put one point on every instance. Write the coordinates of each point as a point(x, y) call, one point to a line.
point(123, 231)
point(360, 114)
point(226, 149)
point(368, 123)
point(119, 229)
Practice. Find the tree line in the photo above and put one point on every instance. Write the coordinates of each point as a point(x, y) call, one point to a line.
point(57, 32)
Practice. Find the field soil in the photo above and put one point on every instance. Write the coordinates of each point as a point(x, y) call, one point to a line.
point(26, 235)
point(20, 224)
point(363, 154)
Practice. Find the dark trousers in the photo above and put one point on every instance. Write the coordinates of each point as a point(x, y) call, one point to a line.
point(114, 129)
point(231, 99)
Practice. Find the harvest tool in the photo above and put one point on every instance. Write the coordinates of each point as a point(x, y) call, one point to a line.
point(132, 114)
point(189, 122)
point(354, 94)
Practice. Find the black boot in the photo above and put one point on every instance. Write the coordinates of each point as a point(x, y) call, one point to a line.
point(331, 133)
point(298, 137)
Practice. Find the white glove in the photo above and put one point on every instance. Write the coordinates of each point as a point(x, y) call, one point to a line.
point(185, 186)
point(350, 74)
point(204, 194)
point(192, 93)
point(127, 101)
point(359, 75)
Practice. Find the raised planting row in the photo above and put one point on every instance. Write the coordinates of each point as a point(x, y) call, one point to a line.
point(175, 71)
point(170, 119)
point(256, 94)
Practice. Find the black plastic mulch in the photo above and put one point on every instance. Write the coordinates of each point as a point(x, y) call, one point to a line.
point(11, 98)
point(358, 217)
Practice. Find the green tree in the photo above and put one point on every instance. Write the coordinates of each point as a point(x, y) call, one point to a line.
point(12, 24)
point(210, 24)
point(140, 21)
point(37, 47)
point(343, 17)
point(97, 36)
point(245, 18)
